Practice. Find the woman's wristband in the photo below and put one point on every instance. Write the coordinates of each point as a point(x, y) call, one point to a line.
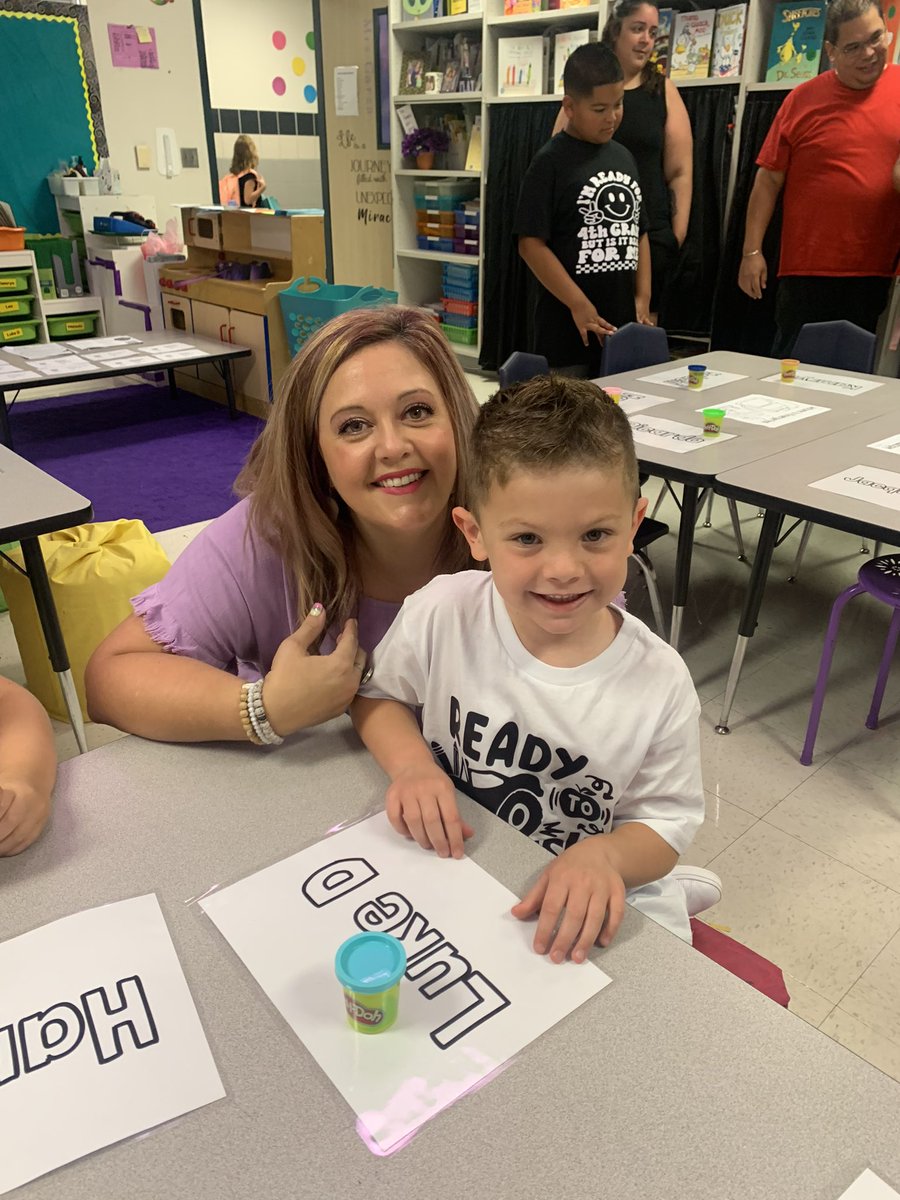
point(750, 253)
point(253, 716)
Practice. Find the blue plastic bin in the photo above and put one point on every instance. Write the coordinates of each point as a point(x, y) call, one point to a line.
point(303, 312)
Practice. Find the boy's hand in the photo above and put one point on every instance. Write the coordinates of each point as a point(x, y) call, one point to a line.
point(23, 814)
point(421, 804)
point(583, 894)
point(589, 321)
point(642, 312)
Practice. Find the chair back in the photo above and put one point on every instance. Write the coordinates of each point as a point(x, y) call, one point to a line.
point(838, 344)
point(521, 366)
point(634, 346)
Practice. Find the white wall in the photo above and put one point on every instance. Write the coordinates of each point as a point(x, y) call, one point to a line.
point(135, 102)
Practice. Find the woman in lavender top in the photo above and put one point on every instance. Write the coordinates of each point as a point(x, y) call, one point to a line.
point(346, 511)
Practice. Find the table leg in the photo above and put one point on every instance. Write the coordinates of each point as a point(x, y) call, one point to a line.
point(768, 538)
point(229, 388)
point(173, 389)
point(5, 431)
point(59, 658)
point(683, 559)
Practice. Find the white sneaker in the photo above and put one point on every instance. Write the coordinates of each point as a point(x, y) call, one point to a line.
point(702, 888)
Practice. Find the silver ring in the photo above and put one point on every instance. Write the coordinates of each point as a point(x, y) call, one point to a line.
point(368, 671)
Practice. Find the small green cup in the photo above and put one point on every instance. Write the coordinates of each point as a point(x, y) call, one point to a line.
point(712, 421)
point(369, 967)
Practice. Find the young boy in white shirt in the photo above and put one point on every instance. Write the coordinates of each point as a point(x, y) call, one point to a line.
point(549, 706)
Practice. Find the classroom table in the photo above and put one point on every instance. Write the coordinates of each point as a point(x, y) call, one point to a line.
point(676, 1081)
point(31, 503)
point(780, 484)
point(698, 469)
point(203, 350)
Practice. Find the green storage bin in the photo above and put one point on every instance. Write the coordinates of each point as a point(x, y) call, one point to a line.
point(73, 325)
point(17, 305)
point(14, 281)
point(18, 331)
point(454, 333)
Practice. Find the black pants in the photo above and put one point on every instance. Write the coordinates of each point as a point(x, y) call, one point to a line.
point(803, 299)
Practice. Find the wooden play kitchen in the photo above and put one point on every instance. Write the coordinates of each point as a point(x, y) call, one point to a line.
point(238, 261)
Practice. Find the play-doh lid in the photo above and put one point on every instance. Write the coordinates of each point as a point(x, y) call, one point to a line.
point(370, 962)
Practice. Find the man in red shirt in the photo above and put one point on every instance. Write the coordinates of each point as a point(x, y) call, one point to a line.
point(833, 148)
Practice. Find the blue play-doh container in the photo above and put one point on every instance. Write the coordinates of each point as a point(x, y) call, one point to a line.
point(369, 967)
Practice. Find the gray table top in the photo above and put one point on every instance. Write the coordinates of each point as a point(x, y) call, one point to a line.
point(33, 502)
point(753, 442)
point(781, 482)
point(677, 1081)
point(202, 348)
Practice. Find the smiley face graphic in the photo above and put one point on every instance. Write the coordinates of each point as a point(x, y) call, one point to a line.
point(616, 202)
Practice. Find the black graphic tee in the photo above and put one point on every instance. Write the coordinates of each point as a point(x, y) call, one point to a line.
point(585, 202)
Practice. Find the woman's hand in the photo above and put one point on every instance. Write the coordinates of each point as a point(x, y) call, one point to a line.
point(303, 689)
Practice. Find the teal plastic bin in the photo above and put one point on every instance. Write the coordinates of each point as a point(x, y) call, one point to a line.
point(310, 302)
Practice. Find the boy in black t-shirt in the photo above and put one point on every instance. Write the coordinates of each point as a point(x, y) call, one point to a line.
point(580, 223)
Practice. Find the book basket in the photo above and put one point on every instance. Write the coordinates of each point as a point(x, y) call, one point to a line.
point(304, 311)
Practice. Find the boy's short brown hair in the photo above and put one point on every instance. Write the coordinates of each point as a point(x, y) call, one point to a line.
point(549, 422)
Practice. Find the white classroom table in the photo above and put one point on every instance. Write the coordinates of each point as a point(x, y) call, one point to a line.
point(676, 1082)
point(780, 485)
point(698, 469)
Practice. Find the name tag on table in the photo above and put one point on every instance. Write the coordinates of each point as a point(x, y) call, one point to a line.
point(672, 435)
point(864, 483)
point(678, 377)
point(891, 444)
point(632, 402)
point(869, 1187)
point(768, 411)
point(840, 385)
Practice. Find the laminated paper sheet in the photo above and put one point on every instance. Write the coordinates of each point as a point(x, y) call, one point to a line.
point(768, 411)
point(475, 993)
point(819, 381)
point(864, 483)
point(678, 377)
point(671, 435)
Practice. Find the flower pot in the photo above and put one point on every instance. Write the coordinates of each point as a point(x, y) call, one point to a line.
point(425, 160)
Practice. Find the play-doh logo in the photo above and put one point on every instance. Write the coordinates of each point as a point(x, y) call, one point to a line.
point(366, 1016)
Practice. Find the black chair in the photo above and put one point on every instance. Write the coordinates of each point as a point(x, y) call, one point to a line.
point(519, 368)
point(838, 344)
point(843, 345)
point(633, 346)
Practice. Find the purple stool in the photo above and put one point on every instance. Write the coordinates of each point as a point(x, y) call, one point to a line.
point(880, 577)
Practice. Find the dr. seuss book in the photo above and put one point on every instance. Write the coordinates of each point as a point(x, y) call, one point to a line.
point(663, 43)
point(796, 43)
point(692, 37)
point(728, 41)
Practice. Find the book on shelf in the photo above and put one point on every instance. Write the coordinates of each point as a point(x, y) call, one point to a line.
point(728, 41)
point(418, 10)
point(692, 36)
point(513, 8)
point(795, 46)
point(662, 45)
point(563, 45)
point(574, 3)
point(473, 154)
point(522, 65)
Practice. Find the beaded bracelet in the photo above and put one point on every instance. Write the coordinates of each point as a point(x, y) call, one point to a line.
point(253, 716)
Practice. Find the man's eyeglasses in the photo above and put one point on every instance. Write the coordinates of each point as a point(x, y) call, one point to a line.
point(858, 49)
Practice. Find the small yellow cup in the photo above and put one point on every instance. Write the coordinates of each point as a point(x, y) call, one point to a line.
point(696, 373)
point(614, 393)
point(789, 369)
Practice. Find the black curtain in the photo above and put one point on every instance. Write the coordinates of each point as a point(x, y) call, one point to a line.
point(686, 306)
point(517, 132)
point(739, 323)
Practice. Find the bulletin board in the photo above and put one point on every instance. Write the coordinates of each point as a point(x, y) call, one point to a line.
point(51, 98)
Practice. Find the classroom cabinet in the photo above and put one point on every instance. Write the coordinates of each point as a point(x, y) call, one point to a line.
point(251, 376)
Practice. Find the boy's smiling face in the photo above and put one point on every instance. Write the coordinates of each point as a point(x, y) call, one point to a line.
point(558, 544)
point(595, 118)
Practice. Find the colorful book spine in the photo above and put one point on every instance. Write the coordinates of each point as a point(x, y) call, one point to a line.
point(795, 47)
point(692, 44)
point(663, 44)
point(728, 41)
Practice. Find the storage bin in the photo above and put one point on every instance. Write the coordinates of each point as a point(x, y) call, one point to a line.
point(464, 337)
point(459, 275)
point(303, 312)
point(15, 281)
point(461, 322)
point(434, 229)
point(73, 325)
point(12, 237)
point(19, 331)
point(460, 293)
point(467, 216)
point(463, 230)
point(465, 308)
point(434, 216)
point(442, 244)
point(465, 246)
point(445, 194)
point(16, 306)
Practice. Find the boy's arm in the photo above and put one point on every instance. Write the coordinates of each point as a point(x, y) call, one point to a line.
point(642, 282)
point(27, 767)
point(421, 801)
point(547, 268)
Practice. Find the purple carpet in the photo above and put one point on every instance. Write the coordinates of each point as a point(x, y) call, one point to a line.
point(137, 453)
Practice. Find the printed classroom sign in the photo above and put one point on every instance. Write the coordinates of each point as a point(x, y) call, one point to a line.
point(768, 411)
point(99, 1037)
point(864, 483)
point(474, 992)
point(671, 435)
point(839, 385)
point(678, 377)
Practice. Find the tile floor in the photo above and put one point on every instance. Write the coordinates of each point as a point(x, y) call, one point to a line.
point(809, 856)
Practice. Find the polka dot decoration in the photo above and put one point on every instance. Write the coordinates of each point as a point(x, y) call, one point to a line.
point(298, 66)
point(311, 40)
point(309, 94)
point(279, 87)
point(279, 41)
